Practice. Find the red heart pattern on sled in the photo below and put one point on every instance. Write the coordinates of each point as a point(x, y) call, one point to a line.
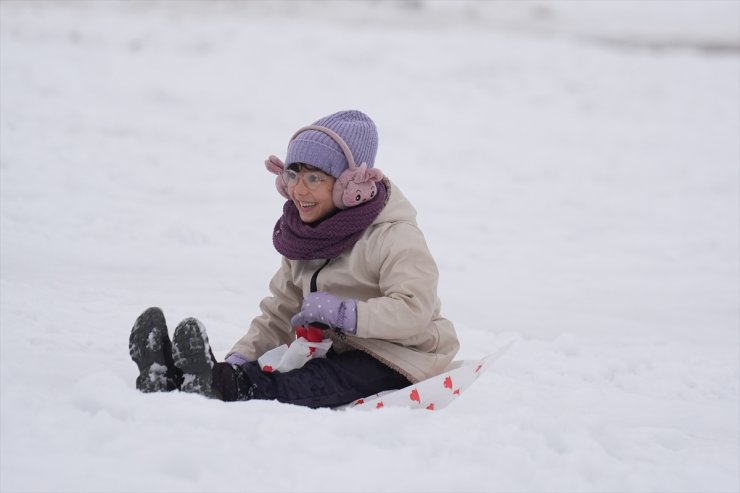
point(434, 393)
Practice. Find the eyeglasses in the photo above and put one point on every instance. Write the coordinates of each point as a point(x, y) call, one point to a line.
point(310, 179)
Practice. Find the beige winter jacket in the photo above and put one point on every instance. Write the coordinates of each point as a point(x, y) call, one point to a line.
point(393, 277)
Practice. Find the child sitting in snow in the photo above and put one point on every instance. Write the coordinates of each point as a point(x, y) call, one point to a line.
point(354, 264)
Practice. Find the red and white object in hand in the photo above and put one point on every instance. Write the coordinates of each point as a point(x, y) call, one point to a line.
point(309, 344)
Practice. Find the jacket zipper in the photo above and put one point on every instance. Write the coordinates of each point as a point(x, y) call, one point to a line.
point(315, 275)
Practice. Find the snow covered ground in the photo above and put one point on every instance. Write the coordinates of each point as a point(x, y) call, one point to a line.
point(576, 168)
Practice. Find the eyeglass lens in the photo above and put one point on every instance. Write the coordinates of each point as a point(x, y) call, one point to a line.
point(311, 180)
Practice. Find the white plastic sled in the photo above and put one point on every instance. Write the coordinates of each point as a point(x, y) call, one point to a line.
point(434, 393)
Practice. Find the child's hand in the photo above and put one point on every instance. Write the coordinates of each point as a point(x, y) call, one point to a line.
point(236, 359)
point(327, 309)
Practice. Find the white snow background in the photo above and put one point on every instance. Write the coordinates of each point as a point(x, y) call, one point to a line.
point(575, 166)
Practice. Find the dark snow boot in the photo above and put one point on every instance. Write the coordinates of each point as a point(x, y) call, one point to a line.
point(231, 383)
point(193, 356)
point(151, 349)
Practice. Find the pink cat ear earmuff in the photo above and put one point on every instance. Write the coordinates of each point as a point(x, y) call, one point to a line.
point(356, 184)
point(275, 166)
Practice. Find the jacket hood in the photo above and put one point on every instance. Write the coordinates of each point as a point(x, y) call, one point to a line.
point(397, 207)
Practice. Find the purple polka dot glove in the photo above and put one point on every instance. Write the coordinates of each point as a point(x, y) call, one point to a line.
point(327, 309)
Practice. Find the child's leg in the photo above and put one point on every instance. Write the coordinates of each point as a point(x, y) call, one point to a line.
point(333, 381)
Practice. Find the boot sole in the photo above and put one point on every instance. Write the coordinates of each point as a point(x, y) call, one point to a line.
point(192, 354)
point(146, 345)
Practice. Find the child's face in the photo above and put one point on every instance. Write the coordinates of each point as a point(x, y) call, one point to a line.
point(314, 201)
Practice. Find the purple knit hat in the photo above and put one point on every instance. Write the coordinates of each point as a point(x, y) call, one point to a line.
point(342, 145)
point(321, 151)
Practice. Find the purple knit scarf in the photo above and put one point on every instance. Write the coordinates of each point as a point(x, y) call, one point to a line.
point(329, 238)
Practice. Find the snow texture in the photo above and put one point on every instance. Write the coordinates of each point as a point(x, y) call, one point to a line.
point(575, 166)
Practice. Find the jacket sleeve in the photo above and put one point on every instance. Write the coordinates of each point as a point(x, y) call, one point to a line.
point(272, 328)
point(407, 280)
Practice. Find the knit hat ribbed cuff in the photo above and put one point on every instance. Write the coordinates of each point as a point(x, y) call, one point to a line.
point(329, 159)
